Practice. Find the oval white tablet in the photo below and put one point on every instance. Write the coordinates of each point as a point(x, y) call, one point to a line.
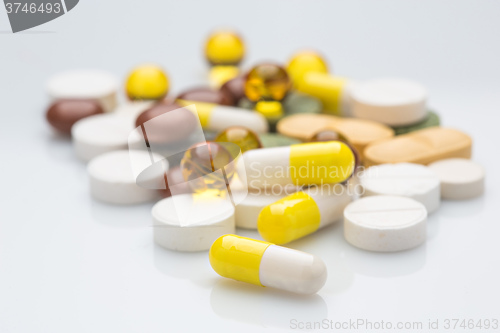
point(410, 180)
point(385, 223)
point(187, 222)
point(394, 102)
point(102, 133)
point(113, 177)
point(460, 178)
point(248, 210)
point(85, 84)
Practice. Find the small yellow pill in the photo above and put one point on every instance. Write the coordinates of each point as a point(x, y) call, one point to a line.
point(147, 82)
point(305, 62)
point(224, 48)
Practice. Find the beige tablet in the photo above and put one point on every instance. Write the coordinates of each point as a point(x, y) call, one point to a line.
point(359, 132)
point(422, 147)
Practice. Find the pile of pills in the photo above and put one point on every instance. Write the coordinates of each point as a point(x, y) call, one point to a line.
point(282, 149)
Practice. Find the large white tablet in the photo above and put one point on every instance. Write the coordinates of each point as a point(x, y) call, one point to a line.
point(394, 102)
point(403, 179)
point(385, 223)
point(85, 84)
point(113, 177)
point(189, 223)
point(102, 133)
point(460, 178)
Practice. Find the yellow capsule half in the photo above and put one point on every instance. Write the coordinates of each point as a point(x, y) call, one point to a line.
point(321, 163)
point(305, 62)
point(238, 258)
point(288, 219)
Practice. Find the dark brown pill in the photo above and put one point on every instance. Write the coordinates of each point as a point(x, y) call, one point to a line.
point(234, 88)
point(206, 95)
point(169, 128)
point(63, 114)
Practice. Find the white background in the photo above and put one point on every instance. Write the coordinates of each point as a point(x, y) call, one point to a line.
point(70, 264)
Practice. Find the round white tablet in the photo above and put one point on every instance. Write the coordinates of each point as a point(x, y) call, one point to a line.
point(403, 179)
point(248, 210)
point(113, 177)
point(394, 102)
point(385, 223)
point(189, 223)
point(460, 178)
point(102, 133)
point(85, 84)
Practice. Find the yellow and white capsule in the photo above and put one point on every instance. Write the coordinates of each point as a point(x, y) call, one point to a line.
point(265, 264)
point(334, 92)
point(302, 213)
point(301, 164)
point(214, 117)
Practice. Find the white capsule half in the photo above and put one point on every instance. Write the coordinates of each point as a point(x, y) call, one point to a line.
point(214, 117)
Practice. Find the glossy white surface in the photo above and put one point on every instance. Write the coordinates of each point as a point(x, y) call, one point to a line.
point(71, 264)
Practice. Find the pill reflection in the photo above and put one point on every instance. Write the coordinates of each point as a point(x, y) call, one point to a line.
point(258, 305)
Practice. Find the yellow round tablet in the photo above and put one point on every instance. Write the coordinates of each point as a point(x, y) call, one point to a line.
point(305, 62)
point(224, 48)
point(147, 82)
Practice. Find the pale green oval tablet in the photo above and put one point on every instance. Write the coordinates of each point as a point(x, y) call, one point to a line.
point(431, 120)
point(270, 140)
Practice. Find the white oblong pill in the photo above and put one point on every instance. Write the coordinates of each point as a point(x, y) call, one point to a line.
point(102, 133)
point(112, 178)
point(247, 211)
point(223, 117)
point(385, 223)
point(189, 223)
point(391, 101)
point(296, 271)
point(460, 178)
point(85, 84)
point(410, 180)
